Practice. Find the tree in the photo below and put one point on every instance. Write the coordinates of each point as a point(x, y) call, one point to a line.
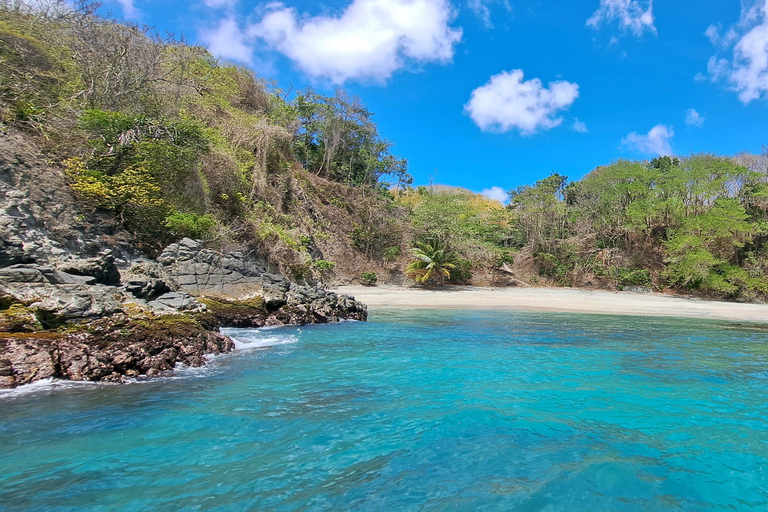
point(432, 261)
point(541, 209)
point(704, 252)
point(458, 218)
point(338, 139)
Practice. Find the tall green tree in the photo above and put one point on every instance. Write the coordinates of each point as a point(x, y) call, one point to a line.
point(338, 139)
point(704, 252)
point(541, 209)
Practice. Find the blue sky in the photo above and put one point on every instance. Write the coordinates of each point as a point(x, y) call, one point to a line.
point(500, 93)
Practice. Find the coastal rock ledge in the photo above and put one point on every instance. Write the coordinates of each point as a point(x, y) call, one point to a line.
point(94, 319)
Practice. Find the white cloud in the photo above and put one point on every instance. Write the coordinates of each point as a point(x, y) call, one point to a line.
point(228, 41)
point(579, 126)
point(713, 33)
point(496, 193)
point(129, 9)
point(655, 142)
point(693, 118)
point(700, 77)
point(506, 102)
point(630, 14)
point(369, 40)
point(481, 9)
point(747, 70)
point(718, 68)
point(220, 4)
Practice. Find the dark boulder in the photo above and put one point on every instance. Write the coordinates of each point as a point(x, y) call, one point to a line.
point(101, 268)
point(146, 288)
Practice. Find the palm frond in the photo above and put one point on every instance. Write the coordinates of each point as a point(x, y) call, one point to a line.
point(431, 260)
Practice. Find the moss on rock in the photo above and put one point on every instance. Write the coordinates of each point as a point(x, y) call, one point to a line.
point(19, 318)
point(237, 313)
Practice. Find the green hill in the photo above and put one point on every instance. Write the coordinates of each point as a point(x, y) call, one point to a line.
point(167, 142)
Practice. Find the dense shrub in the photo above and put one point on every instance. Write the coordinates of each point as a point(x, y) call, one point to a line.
point(322, 268)
point(191, 225)
point(38, 77)
point(369, 278)
point(633, 277)
point(132, 195)
point(391, 253)
point(556, 268)
point(462, 272)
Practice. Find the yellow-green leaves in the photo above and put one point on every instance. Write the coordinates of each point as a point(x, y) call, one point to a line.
point(132, 195)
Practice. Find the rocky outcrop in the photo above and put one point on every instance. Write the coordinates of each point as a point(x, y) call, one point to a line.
point(78, 301)
point(146, 281)
point(41, 221)
point(58, 297)
point(86, 320)
point(101, 269)
point(302, 305)
point(198, 271)
point(25, 358)
point(109, 350)
point(234, 279)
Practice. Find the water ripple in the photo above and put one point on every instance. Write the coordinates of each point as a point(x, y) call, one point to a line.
point(420, 410)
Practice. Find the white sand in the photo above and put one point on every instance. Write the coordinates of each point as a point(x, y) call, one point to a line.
point(556, 299)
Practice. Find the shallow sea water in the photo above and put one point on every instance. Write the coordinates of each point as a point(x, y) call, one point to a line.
point(414, 410)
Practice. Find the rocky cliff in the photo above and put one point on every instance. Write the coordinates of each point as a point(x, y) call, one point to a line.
point(78, 302)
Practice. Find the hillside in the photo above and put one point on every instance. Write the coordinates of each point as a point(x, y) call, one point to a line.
point(155, 140)
point(166, 142)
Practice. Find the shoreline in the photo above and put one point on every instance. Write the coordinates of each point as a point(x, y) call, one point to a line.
point(561, 300)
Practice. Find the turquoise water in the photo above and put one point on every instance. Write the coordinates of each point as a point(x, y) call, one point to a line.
point(415, 410)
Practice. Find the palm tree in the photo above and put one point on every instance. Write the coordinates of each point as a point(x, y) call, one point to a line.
point(431, 261)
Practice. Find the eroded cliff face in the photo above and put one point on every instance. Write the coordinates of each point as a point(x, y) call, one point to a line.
point(78, 301)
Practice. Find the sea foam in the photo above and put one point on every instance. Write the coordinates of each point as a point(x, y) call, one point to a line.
point(45, 386)
point(251, 339)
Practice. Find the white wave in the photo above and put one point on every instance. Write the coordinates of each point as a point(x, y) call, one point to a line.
point(183, 371)
point(265, 328)
point(46, 386)
point(250, 339)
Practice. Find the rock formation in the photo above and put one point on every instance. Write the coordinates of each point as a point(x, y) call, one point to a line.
point(87, 320)
point(78, 301)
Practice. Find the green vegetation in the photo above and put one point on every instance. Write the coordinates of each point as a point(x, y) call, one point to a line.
point(470, 226)
point(191, 225)
point(168, 142)
point(633, 277)
point(369, 278)
point(172, 143)
point(18, 318)
point(558, 268)
point(462, 272)
point(697, 223)
point(433, 262)
point(338, 139)
point(322, 269)
point(39, 77)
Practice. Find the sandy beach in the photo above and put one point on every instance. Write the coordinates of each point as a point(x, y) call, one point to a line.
point(556, 299)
